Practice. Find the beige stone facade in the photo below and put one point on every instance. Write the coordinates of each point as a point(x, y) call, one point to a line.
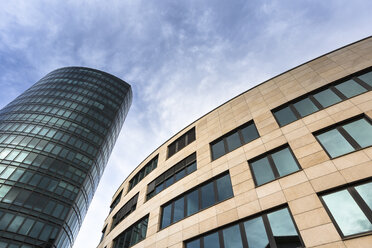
point(299, 191)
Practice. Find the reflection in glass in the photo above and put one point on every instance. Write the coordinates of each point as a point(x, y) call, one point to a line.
point(233, 141)
point(218, 149)
point(349, 217)
point(256, 233)
point(365, 191)
point(334, 143)
point(305, 107)
point(367, 78)
point(262, 171)
point(285, 116)
point(284, 162)
point(232, 237)
point(350, 88)
point(192, 202)
point(166, 216)
point(211, 241)
point(249, 133)
point(327, 98)
point(178, 209)
point(224, 188)
point(207, 192)
point(193, 244)
point(361, 131)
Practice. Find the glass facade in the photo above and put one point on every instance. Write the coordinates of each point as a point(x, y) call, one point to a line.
point(55, 140)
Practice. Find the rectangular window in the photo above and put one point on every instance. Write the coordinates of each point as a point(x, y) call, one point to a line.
point(124, 211)
point(150, 166)
point(350, 209)
point(202, 196)
point(328, 95)
point(346, 136)
point(275, 228)
point(132, 235)
point(103, 234)
point(234, 139)
point(273, 164)
point(174, 174)
point(181, 142)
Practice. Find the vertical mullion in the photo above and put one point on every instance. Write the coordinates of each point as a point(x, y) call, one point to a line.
point(242, 142)
point(273, 167)
point(243, 235)
point(172, 213)
point(220, 238)
point(200, 198)
point(201, 242)
point(316, 103)
point(225, 145)
point(362, 83)
point(294, 110)
point(361, 203)
point(185, 206)
point(269, 232)
point(348, 137)
point(338, 93)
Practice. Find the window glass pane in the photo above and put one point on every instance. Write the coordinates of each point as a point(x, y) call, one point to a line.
point(367, 78)
point(166, 216)
point(350, 88)
point(218, 149)
point(284, 162)
point(365, 191)
point(207, 192)
point(178, 209)
point(262, 171)
point(191, 168)
point(305, 107)
point(334, 143)
point(327, 98)
point(233, 141)
point(193, 244)
point(347, 214)
point(285, 116)
point(169, 182)
point(283, 229)
point(232, 237)
point(249, 133)
point(224, 188)
point(180, 174)
point(192, 202)
point(256, 233)
point(361, 131)
point(211, 241)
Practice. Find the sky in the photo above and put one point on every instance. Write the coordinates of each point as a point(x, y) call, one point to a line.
point(182, 58)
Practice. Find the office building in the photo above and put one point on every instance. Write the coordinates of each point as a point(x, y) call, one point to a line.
point(55, 140)
point(287, 163)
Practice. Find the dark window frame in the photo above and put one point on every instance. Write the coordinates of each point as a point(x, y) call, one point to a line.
point(171, 173)
point(130, 229)
point(240, 223)
point(350, 187)
point(183, 195)
point(338, 126)
point(241, 138)
point(188, 137)
point(268, 154)
point(125, 211)
point(136, 179)
point(331, 86)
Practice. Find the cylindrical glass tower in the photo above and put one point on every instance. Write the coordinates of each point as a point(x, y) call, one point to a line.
point(55, 140)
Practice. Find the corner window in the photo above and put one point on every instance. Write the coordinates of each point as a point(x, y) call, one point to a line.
point(127, 209)
point(132, 235)
point(346, 137)
point(116, 201)
point(181, 142)
point(350, 209)
point(273, 164)
point(234, 139)
point(203, 196)
point(272, 229)
point(150, 166)
point(319, 99)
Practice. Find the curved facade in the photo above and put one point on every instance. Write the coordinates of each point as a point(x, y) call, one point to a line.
point(287, 163)
point(55, 140)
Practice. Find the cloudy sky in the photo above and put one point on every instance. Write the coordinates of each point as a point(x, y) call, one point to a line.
point(182, 58)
